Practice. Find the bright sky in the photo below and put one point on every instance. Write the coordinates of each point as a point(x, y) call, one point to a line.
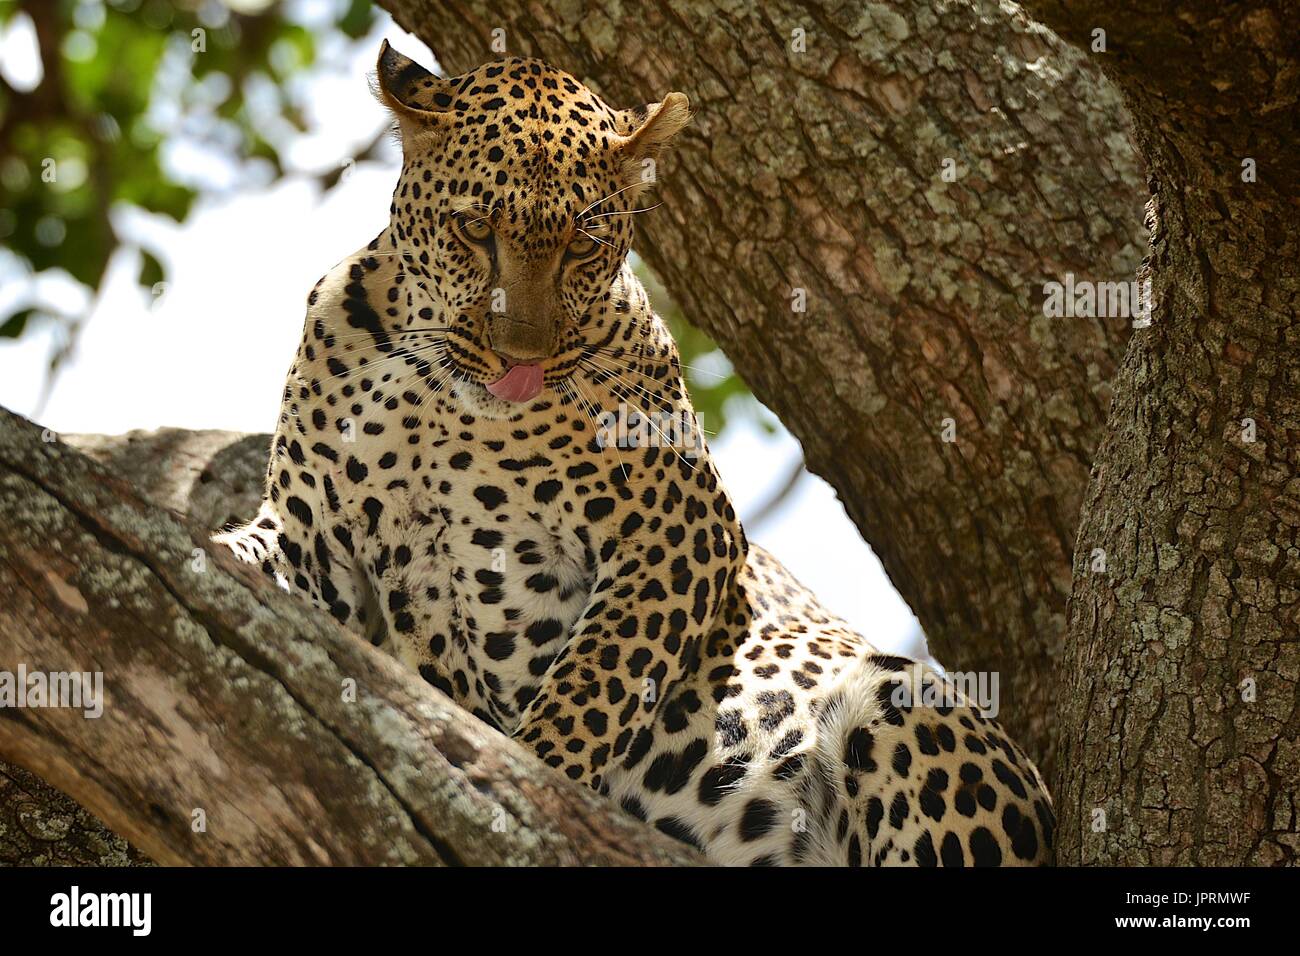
point(212, 350)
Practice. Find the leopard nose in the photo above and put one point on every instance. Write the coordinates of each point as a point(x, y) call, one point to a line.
point(516, 342)
point(510, 361)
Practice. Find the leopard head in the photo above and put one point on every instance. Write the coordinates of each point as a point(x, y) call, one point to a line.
point(514, 209)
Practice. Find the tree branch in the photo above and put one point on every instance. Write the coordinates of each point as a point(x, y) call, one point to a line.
point(239, 725)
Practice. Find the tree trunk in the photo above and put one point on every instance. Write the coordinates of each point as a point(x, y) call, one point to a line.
point(239, 726)
point(1180, 719)
point(814, 176)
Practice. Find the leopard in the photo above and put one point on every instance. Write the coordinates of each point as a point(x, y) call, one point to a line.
point(447, 481)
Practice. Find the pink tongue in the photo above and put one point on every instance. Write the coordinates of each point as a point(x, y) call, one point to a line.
point(521, 384)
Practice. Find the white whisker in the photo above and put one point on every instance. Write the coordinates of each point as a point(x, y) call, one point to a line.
point(603, 242)
point(595, 432)
point(605, 198)
point(630, 212)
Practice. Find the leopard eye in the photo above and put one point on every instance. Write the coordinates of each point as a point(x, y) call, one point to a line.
point(474, 226)
point(581, 247)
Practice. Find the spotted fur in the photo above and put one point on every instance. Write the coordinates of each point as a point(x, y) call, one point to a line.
point(598, 603)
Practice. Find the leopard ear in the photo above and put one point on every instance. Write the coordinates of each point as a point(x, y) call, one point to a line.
point(408, 89)
point(646, 131)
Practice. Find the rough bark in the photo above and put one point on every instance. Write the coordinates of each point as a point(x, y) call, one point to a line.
point(1181, 678)
point(41, 827)
point(822, 171)
point(210, 477)
point(225, 696)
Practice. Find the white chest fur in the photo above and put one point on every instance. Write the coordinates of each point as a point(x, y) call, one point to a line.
point(482, 593)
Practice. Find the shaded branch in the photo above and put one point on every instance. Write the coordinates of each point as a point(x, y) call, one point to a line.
point(41, 827)
point(777, 499)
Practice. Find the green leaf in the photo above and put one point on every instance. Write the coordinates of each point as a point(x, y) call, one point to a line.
point(151, 270)
point(712, 395)
point(356, 21)
point(14, 325)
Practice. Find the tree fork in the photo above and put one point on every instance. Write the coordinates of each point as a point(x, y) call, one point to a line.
point(913, 172)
